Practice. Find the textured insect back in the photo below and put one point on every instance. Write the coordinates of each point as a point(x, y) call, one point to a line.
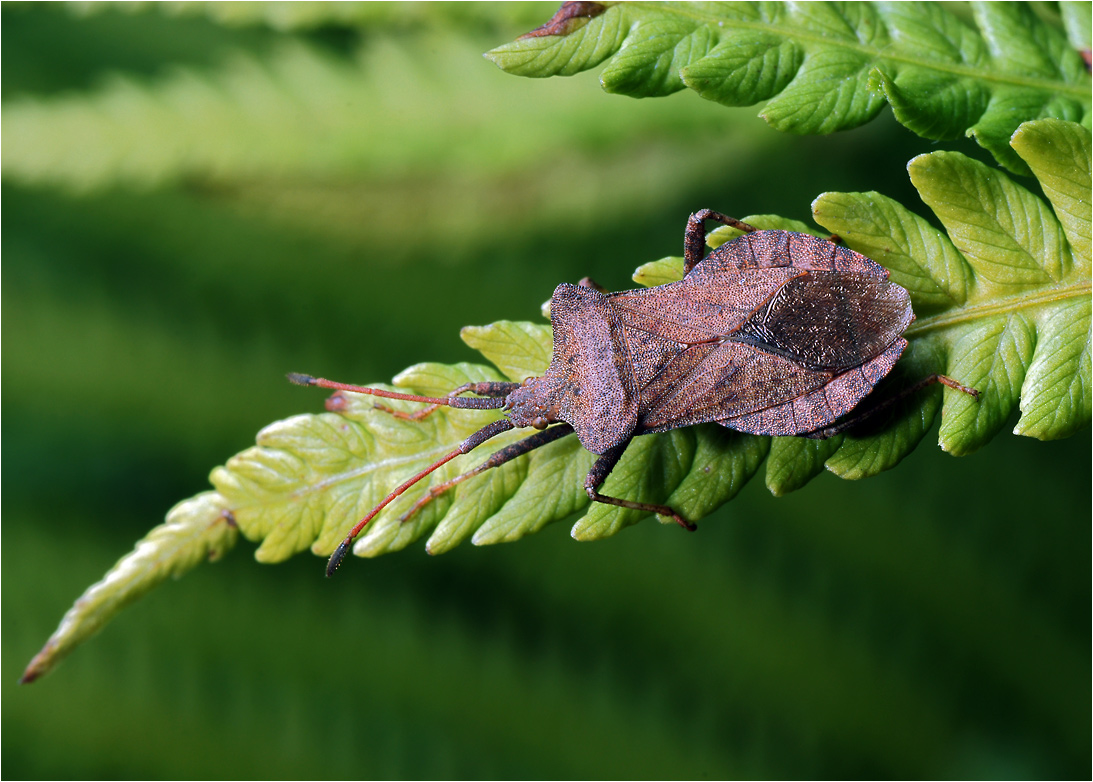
point(772, 249)
point(590, 371)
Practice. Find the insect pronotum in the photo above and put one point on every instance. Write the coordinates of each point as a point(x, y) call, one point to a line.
point(773, 333)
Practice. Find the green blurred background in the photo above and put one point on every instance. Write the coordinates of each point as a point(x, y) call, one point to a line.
point(197, 200)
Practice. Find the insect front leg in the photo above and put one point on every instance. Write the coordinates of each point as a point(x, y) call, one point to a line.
point(488, 388)
point(506, 454)
point(694, 238)
point(598, 474)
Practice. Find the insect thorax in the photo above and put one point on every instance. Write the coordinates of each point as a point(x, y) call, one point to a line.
point(588, 385)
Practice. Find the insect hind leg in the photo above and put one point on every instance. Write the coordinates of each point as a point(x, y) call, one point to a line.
point(694, 239)
point(855, 417)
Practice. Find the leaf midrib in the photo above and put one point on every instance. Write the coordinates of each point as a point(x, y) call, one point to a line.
point(395, 463)
point(1080, 92)
point(995, 306)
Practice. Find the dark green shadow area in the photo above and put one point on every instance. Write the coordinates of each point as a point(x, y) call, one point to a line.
point(931, 622)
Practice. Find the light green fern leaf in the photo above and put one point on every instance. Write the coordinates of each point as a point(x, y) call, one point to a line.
point(198, 529)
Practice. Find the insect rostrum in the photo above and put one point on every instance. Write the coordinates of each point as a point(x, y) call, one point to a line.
point(773, 333)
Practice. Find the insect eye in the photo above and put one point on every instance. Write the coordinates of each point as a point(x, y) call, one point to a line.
point(539, 422)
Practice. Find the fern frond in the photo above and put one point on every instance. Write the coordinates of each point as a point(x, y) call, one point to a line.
point(316, 121)
point(1003, 296)
point(198, 529)
point(822, 67)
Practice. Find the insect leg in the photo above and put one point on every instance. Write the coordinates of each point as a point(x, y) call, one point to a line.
point(492, 389)
point(506, 454)
point(694, 238)
point(598, 474)
point(856, 417)
point(468, 445)
point(588, 282)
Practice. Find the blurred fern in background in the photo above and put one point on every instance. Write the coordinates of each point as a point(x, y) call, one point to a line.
point(198, 198)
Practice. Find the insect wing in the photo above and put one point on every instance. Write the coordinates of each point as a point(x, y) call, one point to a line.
point(821, 406)
point(770, 350)
point(699, 309)
point(714, 382)
point(657, 325)
point(829, 321)
point(743, 388)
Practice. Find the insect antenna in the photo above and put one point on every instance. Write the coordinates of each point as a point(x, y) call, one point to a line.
point(462, 402)
point(472, 442)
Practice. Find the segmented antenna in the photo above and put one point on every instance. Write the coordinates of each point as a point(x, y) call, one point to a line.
point(472, 442)
point(461, 402)
point(493, 402)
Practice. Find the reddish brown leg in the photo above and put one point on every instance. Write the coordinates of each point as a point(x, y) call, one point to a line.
point(468, 445)
point(588, 282)
point(694, 238)
point(421, 414)
point(855, 417)
point(506, 454)
point(598, 474)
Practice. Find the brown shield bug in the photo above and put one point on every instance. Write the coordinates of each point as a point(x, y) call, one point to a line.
point(773, 333)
